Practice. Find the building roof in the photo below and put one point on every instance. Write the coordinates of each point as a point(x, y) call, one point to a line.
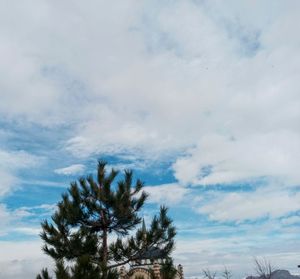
point(151, 254)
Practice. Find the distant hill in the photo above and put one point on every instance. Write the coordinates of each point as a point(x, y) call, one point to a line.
point(277, 274)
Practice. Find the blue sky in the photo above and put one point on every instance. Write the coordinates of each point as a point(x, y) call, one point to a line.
point(200, 98)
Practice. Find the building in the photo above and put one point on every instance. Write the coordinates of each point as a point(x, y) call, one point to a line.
point(147, 272)
point(147, 265)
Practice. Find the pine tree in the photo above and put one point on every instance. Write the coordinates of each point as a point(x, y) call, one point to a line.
point(90, 212)
point(167, 270)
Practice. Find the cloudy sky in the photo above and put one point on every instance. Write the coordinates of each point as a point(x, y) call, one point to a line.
point(200, 98)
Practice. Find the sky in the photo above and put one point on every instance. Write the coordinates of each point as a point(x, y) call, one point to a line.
point(200, 98)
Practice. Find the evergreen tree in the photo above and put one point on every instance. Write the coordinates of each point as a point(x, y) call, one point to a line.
point(167, 270)
point(91, 211)
point(44, 275)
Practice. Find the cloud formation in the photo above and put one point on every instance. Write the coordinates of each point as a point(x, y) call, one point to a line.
point(199, 85)
point(168, 194)
point(21, 259)
point(219, 159)
point(239, 207)
point(70, 170)
point(11, 162)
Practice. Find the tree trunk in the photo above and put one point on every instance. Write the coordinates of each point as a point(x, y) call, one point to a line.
point(105, 253)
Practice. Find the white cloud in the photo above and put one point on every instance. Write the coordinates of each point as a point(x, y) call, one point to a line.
point(5, 218)
point(44, 183)
point(33, 231)
point(16, 220)
point(43, 209)
point(8, 182)
point(71, 170)
point(10, 163)
point(229, 160)
point(238, 207)
point(168, 194)
point(291, 220)
point(151, 84)
point(12, 160)
point(135, 164)
point(23, 259)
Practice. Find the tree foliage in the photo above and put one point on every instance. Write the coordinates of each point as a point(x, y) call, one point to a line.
point(168, 270)
point(77, 237)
